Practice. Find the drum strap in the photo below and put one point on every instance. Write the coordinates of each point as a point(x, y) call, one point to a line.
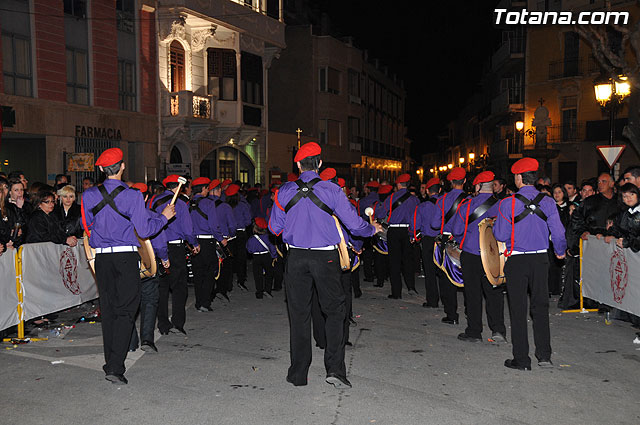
point(305, 190)
point(396, 204)
point(195, 205)
point(108, 199)
point(160, 201)
point(476, 214)
point(218, 202)
point(452, 210)
point(530, 207)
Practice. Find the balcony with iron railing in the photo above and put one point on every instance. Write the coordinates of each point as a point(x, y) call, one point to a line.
point(572, 132)
point(577, 67)
point(509, 100)
point(188, 105)
point(510, 49)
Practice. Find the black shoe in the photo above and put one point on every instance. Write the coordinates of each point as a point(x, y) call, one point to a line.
point(378, 285)
point(116, 378)
point(393, 297)
point(427, 305)
point(148, 347)
point(512, 364)
point(348, 343)
point(464, 337)
point(242, 286)
point(352, 322)
point(320, 346)
point(163, 332)
point(368, 280)
point(259, 295)
point(296, 384)
point(545, 363)
point(177, 329)
point(449, 320)
point(268, 294)
point(338, 381)
point(413, 291)
point(357, 293)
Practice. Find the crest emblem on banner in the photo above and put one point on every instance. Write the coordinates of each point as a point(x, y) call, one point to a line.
point(618, 271)
point(69, 271)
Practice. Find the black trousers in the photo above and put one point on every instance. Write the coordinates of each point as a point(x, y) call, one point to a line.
point(475, 286)
point(528, 273)
point(303, 268)
point(262, 272)
point(205, 268)
point(430, 282)
point(226, 274)
point(175, 282)
point(401, 260)
point(448, 295)
point(367, 258)
point(240, 256)
point(381, 263)
point(149, 295)
point(318, 319)
point(118, 277)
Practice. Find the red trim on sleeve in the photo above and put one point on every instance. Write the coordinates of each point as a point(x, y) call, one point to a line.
point(275, 199)
point(84, 219)
point(415, 213)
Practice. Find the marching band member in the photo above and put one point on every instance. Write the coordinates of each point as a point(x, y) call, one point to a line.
point(398, 211)
point(524, 222)
point(304, 218)
point(206, 226)
point(264, 255)
point(224, 284)
point(465, 230)
point(110, 213)
point(242, 217)
point(178, 232)
point(423, 216)
point(381, 258)
point(446, 207)
point(371, 190)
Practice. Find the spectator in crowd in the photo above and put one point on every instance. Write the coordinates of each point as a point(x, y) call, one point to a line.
point(43, 225)
point(572, 191)
point(561, 196)
point(626, 226)
point(546, 189)
point(67, 211)
point(87, 182)
point(20, 176)
point(588, 188)
point(499, 187)
point(20, 207)
point(60, 181)
point(4, 187)
point(544, 181)
point(632, 175)
point(7, 218)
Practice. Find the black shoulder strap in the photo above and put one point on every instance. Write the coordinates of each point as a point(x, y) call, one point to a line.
point(482, 208)
point(108, 199)
point(305, 190)
point(454, 207)
point(530, 207)
point(218, 202)
point(400, 200)
point(432, 200)
point(195, 205)
point(160, 201)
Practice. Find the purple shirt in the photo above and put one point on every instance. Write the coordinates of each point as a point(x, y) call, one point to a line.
point(253, 245)
point(444, 203)
point(471, 242)
point(264, 203)
point(242, 215)
point(210, 225)
point(422, 218)
point(225, 216)
point(368, 201)
point(306, 225)
point(181, 226)
point(531, 233)
point(108, 228)
point(402, 214)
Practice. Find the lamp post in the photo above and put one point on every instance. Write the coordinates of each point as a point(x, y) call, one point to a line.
point(610, 93)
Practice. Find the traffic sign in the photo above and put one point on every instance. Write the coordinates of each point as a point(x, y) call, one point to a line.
point(611, 154)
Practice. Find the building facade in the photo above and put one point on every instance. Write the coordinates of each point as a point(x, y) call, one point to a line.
point(328, 89)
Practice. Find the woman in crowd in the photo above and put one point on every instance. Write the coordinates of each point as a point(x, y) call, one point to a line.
point(559, 194)
point(67, 211)
point(43, 225)
point(561, 197)
point(7, 218)
point(20, 207)
point(626, 227)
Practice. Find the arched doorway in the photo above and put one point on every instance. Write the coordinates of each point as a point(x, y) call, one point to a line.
point(228, 163)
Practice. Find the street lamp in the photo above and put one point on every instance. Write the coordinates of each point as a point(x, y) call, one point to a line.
point(519, 125)
point(610, 93)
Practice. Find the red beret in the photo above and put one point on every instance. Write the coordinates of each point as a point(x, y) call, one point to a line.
point(274, 189)
point(172, 178)
point(199, 181)
point(457, 173)
point(291, 177)
point(385, 188)
point(225, 183)
point(432, 181)
point(341, 182)
point(140, 186)
point(403, 178)
point(328, 173)
point(214, 183)
point(109, 157)
point(261, 222)
point(373, 183)
point(232, 190)
point(484, 177)
point(523, 165)
point(307, 150)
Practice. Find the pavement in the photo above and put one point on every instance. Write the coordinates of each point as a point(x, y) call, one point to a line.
point(406, 367)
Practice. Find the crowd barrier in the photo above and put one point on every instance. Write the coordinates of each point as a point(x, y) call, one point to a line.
point(46, 278)
point(610, 275)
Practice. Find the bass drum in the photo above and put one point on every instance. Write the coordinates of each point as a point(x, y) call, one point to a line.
point(446, 255)
point(148, 265)
point(491, 252)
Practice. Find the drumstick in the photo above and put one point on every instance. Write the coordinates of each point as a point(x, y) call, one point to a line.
point(369, 213)
point(181, 181)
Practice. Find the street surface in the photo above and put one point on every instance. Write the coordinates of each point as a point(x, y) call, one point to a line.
point(406, 367)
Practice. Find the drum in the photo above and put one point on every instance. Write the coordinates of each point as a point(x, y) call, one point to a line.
point(148, 265)
point(446, 255)
point(355, 261)
point(492, 253)
point(380, 245)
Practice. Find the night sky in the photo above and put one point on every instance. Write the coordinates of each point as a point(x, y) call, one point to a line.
point(437, 48)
